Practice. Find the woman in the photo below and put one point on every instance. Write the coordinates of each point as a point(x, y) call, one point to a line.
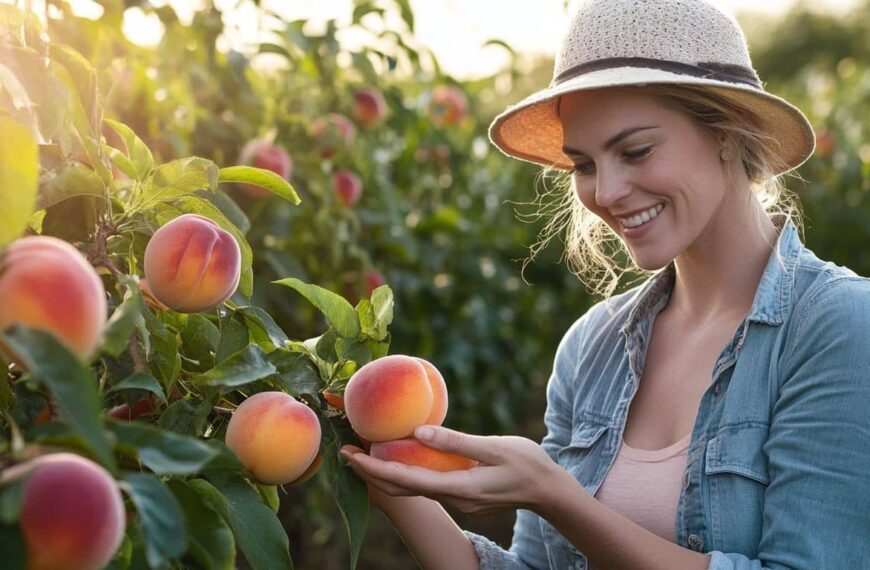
point(715, 416)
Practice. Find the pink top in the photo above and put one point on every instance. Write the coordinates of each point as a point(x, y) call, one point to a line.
point(644, 486)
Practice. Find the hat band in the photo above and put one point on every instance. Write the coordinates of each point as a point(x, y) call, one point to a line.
point(707, 70)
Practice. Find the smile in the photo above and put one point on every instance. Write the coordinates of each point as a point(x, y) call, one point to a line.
point(642, 218)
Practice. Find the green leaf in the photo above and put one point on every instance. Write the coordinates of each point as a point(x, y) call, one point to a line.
point(258, 531)
point(210, 541)
point(335, 308)
point(11, 497)
point(262, 327)
point(180, 178)
point(137, 151)
point(407, 13)
point(350, 492)
point(296, 374)
point(161, 518)
point(75, 180)
point(165, 358)
point(225, 460)
point(269, 494)
point(234, 337)
point(19, 173)
point(263, 178)
point(124, 320)
point(199, 341)
point(73, 385)
point(139, 381)
point(13, 547)
point(187, 417)
point(245, 366)
point(164, 452)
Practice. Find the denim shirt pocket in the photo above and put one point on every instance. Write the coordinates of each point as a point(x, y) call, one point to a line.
point(736, 475)
point(580, 458)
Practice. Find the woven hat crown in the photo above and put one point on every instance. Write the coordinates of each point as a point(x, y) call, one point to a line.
point(691, 32)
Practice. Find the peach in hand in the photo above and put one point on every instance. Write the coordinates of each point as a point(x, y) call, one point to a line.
point(388, 397)
point(439, 393)
point(72, 513)
point(192, 264)
point(275, 437)
point(411, 451)
point(46, 284)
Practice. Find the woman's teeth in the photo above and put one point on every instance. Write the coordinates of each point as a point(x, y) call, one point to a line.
point(642, 218)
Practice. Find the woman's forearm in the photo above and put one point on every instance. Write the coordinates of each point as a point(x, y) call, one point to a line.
point(606, 538)
point(433, 538)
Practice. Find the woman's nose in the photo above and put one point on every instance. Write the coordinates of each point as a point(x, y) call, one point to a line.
point(611, 186)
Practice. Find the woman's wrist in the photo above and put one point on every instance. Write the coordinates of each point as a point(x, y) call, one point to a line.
point(552, 489)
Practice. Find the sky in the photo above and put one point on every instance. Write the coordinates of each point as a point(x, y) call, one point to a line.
point(455, 30)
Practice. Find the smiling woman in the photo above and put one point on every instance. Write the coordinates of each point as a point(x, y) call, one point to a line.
point(694, 420)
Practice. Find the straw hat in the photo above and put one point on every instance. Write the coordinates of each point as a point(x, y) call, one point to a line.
point(641, 42)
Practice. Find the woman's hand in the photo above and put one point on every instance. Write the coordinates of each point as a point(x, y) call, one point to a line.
point(514, 472)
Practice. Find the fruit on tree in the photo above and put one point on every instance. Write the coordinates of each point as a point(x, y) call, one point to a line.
point(389, 397)
point(369, 106)
point(141, 407)
point(275, 436)
point(448, 105)
point(72, 512)
point(192, 264)
point(335, 400)
point(333, 132)
point(262, 153)
point(411, 451)
point(309, 473)
point(347, 187)
point(46, 284)
point(372, 279)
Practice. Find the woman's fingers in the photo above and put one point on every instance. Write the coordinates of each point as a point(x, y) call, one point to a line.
point(481, 448)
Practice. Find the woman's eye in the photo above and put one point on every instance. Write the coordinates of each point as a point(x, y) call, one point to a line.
point(584, 168)
point(637, 154)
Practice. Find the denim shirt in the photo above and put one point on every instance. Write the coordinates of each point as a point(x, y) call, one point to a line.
point(778, 469)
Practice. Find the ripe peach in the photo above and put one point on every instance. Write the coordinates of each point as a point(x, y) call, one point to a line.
point(369, 106)
point(347, 187)
point(46, 284)
point(192, 264)
point(388, 397)
point(275, 436)
point(261, 153)
point(333, 132)
point(439, 393)
point(334, 400)
point(411, 451)
point(72, 513)
point(448, 105)
point(150, 299)
point(309, 473)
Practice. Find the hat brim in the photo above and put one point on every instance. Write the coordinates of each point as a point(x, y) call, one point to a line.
point(531, 130)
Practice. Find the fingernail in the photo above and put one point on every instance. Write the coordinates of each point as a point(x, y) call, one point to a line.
point(424, 433)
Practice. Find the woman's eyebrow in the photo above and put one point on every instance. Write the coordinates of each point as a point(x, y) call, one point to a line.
point(613, 140)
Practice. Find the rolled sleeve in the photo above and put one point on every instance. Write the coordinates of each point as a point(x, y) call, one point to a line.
point(817, 505)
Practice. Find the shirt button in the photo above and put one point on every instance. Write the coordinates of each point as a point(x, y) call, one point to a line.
point(695, 542)
point(717, 388)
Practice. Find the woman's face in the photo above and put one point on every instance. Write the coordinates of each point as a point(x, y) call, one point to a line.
point(646, 169)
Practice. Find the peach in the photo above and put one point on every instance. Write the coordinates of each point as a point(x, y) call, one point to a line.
point(275, 436)
point(262, 153)
point(372, 280)
point(448, 105)
point(309, 473)
point(411, 451)
point(141, 407)
point(347, 187)
point(439, 393)
point(334, 400)
point(192, 264)
point(72, 513)
point(369, 107)
point(46, 284)
point(388, 397)
point(148, 295)
point(333, 132)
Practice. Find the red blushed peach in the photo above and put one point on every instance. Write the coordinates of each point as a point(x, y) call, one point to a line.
point(369, 107)
point(261, 153)
point(388, 397)
point(439, 393)
point(411, 451)
point(347, 187)
point(72, 513)
point(275, 436)
point(309, 473)
point(448, 106)
point(149, 296)
point(192, 264)
point(372, 280)
point(333, 132)
point(46, 284)
point(334, 400)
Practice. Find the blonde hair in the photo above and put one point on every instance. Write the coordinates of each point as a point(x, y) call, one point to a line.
point(593, 252)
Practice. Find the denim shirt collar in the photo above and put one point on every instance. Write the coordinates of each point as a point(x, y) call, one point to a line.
point(772, 297)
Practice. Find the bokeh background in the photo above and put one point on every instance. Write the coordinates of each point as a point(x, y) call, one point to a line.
point(445, 219)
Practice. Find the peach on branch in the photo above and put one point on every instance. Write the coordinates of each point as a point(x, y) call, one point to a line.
point(448, 105)
point(311, 471)
point(264, 154)
point(369, 107)
point(411, 451)
point(334, 400)
point(275, 437)
point(192, 264)
point(72, 513)
point(347, 187)
point(46, 284)
point(388, 397)
point(333, 132)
